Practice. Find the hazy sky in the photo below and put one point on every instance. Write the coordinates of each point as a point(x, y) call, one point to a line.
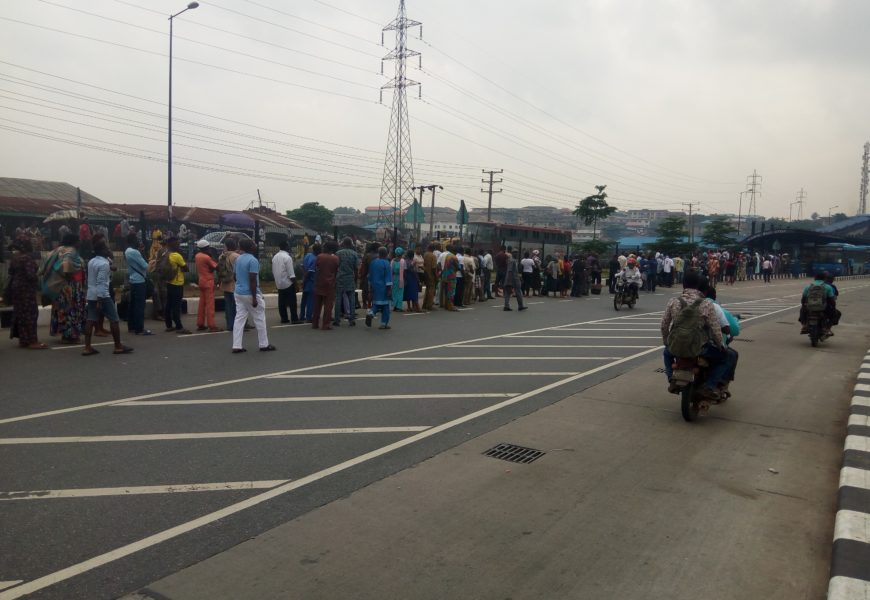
point(665, 101)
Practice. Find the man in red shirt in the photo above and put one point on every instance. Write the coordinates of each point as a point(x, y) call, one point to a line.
point(85, 239)
point(326, 270)
point(205, 268)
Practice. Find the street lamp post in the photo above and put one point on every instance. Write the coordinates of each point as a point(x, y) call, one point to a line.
point(830, 220)
point(190, 6)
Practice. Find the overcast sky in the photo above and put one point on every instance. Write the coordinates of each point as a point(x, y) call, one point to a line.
point(665, 101)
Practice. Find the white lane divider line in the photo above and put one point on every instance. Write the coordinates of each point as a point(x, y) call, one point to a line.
point(315, 399)
point(210, 435)
point(193, 335)
point(606, 329)
point(476, 358)
point(418, 375)
point(588, 337)
point(8, 584)
point(142, 489)
point(173, 532)
point(542, 346)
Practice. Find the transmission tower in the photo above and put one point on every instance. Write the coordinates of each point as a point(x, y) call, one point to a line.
point(862, 201)
point(396, 192)
point(799, 200)
point(753, 183)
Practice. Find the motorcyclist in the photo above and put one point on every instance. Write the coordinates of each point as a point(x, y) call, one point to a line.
point(830, 309)
point(631, 277)
point(730, 329)
point(712, 348)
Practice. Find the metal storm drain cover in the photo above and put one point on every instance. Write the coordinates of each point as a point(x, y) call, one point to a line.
point(659, 370)
point(515, 454)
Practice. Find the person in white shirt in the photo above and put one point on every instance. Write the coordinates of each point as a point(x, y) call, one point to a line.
point(486, 275)
point(285, 281)
point(668, 269)
point(527, 266)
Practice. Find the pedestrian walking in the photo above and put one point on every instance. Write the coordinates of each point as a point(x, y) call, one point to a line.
point(68, 307)
point(100, 301)
point(430, 277)
point(21, 293)
point(309, 262)
point(397, 269)
point(249, 298)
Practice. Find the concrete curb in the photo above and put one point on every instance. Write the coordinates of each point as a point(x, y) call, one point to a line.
point(850, 558)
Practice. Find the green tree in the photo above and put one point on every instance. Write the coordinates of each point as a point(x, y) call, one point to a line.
point(346, 210)
point(671, 233)
point(594, 208)
point(312, 215)
point(717, 232)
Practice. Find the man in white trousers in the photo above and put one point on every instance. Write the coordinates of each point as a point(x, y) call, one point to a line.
point(249, 299)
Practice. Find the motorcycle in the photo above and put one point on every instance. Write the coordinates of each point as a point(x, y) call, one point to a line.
point(816, 328)
point(687, 381)
point(623, 296)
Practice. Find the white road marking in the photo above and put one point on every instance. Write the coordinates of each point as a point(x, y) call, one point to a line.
point(151, 437)
point(138, 490)
point(79, 346)
point(475, 358)
point(157, 538)
point(9, 584)
point(314, 399)
point(589, 337)
point(856, 478)
point(860, 401)
point(606, 329)
point(416, 374)
point(193, 335)
point(205, 386)
point(863, 375)
point(859, 420)
point(862, 387)
point(415, 314)
point(859, 443)
point(541, 346)
point(852, 525)
point(847, 588)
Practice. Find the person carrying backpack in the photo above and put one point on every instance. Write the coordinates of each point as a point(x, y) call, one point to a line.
point(818, 296)
point(690, 328)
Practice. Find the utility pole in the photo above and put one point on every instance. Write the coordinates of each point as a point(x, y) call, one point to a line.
point(432, 207)
point(691, 221)
point(862, 200)
point(491, 191)
point(398, 179)
point(739, 212)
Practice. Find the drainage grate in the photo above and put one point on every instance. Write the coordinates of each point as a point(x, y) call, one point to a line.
point(513, 453)
point(740, 339)
point(659, 370)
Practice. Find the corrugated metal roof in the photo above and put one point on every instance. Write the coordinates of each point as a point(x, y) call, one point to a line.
point(845, 224)
point(30, 207)
point(35, 189)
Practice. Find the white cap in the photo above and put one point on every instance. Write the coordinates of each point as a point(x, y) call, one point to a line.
point(202, 244)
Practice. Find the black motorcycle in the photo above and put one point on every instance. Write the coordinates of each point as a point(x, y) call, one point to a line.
point(688, 381)
point(623, 295)
point(817, 327)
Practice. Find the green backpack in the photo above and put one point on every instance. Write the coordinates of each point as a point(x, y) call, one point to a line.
point(816, 298)
point(51, 279)
point(686, 338)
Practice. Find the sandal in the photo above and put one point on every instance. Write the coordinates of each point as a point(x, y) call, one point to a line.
point(90, 352)
point(123, 350)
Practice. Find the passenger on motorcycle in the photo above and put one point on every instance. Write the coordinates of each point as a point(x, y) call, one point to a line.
point(730, 329)
point(631, 276)
point(819, 296)
point(697, 333)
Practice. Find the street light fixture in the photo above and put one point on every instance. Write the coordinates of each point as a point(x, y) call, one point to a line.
point(190, 6)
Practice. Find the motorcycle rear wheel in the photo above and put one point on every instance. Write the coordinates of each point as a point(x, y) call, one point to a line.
point(617, 300)
point(688, 405)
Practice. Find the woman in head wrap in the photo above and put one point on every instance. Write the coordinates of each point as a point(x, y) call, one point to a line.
point(68, 309)
point(21, 294)
point(397, 268)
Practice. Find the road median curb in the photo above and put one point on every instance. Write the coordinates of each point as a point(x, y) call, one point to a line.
point(850, 557)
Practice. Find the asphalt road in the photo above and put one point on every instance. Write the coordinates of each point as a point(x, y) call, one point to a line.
point(119, 470)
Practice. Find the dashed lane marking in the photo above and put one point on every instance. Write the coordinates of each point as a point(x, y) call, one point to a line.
point(140, 490)
point(541, 346)
point(8, 584)
point(476, 358)
point(151, 437)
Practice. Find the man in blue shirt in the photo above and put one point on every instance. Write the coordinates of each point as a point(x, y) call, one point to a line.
point(308, 264)
point(99, 300)
point(137, 271)
point(249, 298)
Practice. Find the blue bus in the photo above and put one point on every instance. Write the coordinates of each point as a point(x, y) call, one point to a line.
point(842, 259)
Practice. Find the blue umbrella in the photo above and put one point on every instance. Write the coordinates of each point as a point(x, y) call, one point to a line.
point(238, 220)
